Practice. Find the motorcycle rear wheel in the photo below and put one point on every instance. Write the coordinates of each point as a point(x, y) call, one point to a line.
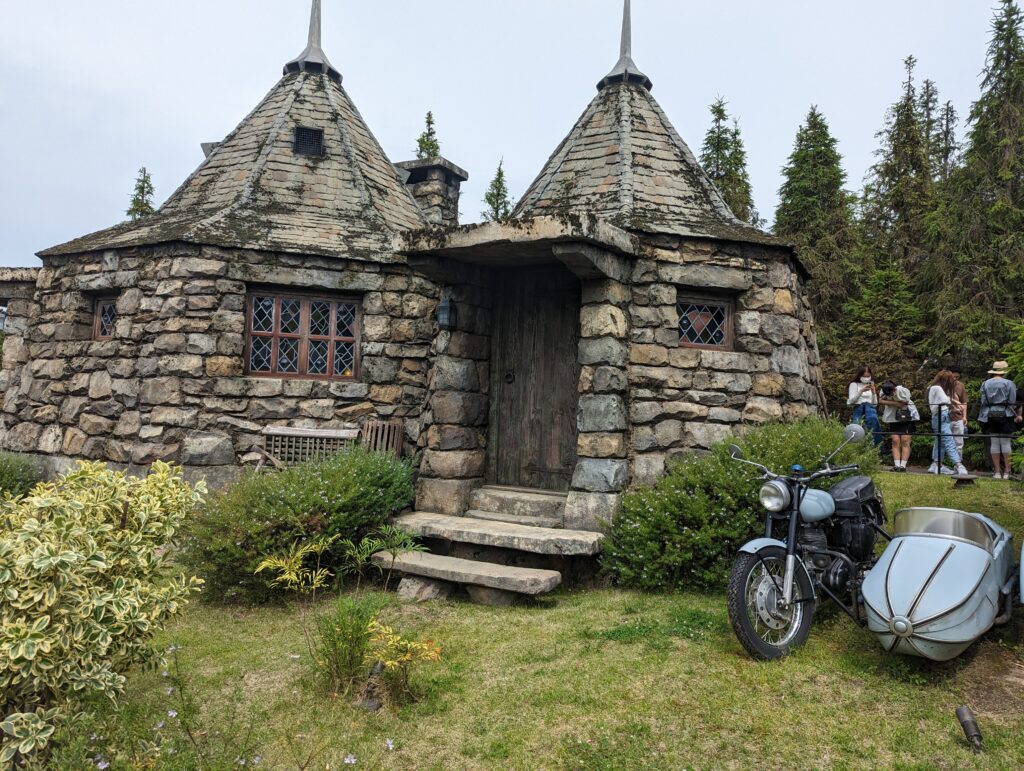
point(767, 631)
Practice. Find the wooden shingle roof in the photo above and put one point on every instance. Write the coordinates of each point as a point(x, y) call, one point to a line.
point(255, 192)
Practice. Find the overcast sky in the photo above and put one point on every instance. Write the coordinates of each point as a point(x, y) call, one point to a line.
point(90, 91)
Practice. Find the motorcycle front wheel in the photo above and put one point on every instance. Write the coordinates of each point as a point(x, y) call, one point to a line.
point(765, 628)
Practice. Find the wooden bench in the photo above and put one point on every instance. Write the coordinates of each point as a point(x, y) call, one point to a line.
point(283, 446)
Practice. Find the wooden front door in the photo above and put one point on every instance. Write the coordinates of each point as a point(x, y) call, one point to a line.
point(534, 375)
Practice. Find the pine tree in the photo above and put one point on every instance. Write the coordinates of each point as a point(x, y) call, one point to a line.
point(724, 159)
point(141, 204)
point(499, 204)
point(948, 149)
point(896, 195)
point(975, 279)
point(816, 213)
point(428, 145)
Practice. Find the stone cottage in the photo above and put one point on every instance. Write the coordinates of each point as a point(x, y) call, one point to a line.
point(299, 278)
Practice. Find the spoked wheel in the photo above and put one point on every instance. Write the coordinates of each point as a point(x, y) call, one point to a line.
point(764, 624)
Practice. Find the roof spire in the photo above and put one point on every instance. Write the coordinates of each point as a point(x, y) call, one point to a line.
point(626, 70)
point(313, 59)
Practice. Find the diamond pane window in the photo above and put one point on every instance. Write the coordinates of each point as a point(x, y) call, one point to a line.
point(263, 314)
point(319, 351)
point(105, 318)
point(294, 335)
point(346, 319)
point(261, 354)
point(705, 323)
point(320, 319)
point(344, 359)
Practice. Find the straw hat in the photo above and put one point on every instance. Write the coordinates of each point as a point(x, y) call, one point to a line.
point(999, 368)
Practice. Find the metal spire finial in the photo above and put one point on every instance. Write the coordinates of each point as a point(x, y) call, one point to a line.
point(626, 70)
point(313, 59)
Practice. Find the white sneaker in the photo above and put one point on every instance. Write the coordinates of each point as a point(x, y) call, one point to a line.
point(934, 468)
point(961, 470)
point(997, 475)
point(1007, 477)
point(948, 472)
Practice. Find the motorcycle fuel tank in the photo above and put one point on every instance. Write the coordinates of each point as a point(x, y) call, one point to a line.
point(817, 505)
point(937, 587)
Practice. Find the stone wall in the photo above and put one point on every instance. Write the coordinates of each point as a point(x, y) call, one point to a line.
point(457, 416)
point(171, 383)
point(684, 399)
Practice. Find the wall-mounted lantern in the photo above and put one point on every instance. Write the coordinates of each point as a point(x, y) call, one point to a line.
point(447, 314)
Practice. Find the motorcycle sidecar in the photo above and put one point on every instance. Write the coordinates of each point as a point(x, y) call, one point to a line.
point(941, 583)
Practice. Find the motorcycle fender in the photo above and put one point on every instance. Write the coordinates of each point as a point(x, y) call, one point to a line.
point(753, 547)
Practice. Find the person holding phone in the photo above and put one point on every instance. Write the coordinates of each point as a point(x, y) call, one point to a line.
point(863, 397)
point(1000, 413)
point(899, 416)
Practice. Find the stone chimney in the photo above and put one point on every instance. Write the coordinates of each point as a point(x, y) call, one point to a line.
point(435, 184)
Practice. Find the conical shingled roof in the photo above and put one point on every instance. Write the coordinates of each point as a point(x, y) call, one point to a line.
point(624, 161)
point(254, 191)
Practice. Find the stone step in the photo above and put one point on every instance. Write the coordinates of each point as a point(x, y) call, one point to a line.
point(539, 540)
point(519, 501)
point(516, 519)
point(503, 577)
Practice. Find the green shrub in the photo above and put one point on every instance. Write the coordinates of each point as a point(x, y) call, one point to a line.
point(84, 587)
point(685, 530)
point(17, 474)
point(344, 496)
point(341, 641)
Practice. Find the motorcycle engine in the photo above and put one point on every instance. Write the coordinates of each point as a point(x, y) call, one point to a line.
point(813, 539)
point(856, 537)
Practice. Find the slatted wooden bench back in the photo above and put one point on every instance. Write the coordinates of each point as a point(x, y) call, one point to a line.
point(384, 436)
point(292, 446)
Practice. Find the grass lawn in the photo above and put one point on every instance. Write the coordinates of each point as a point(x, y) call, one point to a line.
point(610, 679)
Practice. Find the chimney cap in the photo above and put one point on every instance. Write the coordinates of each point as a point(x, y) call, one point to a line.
point(423, 164)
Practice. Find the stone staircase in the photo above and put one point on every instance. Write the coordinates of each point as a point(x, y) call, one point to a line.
point(512, 541)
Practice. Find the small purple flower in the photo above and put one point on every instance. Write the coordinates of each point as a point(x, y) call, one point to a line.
point(389, 744)
point(165, 673)
point(350, 760)
point(159, 726)
point(172, 713)
point(102, 765)
point(257, 760)
point(170, 691)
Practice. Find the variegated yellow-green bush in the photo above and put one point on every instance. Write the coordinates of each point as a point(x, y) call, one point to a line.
point(83, 588)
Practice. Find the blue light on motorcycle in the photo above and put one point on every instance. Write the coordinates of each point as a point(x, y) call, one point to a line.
point(797, 468)
point(775, 496)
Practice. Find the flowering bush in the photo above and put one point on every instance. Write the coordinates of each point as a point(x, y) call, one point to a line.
point(344, 496)
point(686, 530)
point(84, 588)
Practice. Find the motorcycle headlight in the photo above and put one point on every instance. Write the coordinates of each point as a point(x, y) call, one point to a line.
point(775, 496)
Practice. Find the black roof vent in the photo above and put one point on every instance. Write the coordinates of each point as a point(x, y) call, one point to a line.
point(309, 141)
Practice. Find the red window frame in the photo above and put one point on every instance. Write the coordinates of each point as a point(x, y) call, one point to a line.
point(727, 304)
point(97, 317)
point(303, 335)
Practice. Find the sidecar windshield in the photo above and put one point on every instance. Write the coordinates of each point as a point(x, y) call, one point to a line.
point(945, 522)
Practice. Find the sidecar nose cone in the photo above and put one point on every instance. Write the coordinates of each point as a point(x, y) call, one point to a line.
point(901, 626)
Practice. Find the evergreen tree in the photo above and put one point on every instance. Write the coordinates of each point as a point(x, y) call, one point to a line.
point(724, 159)
point(948, 149)
point(975, 279)
point(428, 145)
point(499, 204)
point(141, 204)
point(896, 195)
point(816, 213)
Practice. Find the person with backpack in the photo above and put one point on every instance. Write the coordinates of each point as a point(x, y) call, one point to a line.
point(999, 413)
point(899, 416)
point(940, 402)
point(863, 397)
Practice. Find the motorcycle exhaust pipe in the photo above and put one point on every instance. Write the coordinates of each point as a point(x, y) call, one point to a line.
point(970, 726)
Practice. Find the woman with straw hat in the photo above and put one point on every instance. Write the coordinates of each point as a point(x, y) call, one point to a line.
point(999, 412)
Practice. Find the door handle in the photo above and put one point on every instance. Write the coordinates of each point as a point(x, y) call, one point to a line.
point(510, 377)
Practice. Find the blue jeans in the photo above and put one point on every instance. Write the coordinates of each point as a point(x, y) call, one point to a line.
point(944, 442)
point(868, 415)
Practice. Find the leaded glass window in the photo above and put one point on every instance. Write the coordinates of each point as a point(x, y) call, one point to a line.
point(293, 335)
point(105, 318)
point(704, 322)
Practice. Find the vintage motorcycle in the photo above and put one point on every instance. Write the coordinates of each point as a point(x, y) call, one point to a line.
point(945, 578)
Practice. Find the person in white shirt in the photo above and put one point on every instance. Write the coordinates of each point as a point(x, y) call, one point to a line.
point(863, 397)
point(899, 416)
point(941, 403)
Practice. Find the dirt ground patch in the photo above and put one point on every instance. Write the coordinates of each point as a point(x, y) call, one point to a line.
point(994, 681)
